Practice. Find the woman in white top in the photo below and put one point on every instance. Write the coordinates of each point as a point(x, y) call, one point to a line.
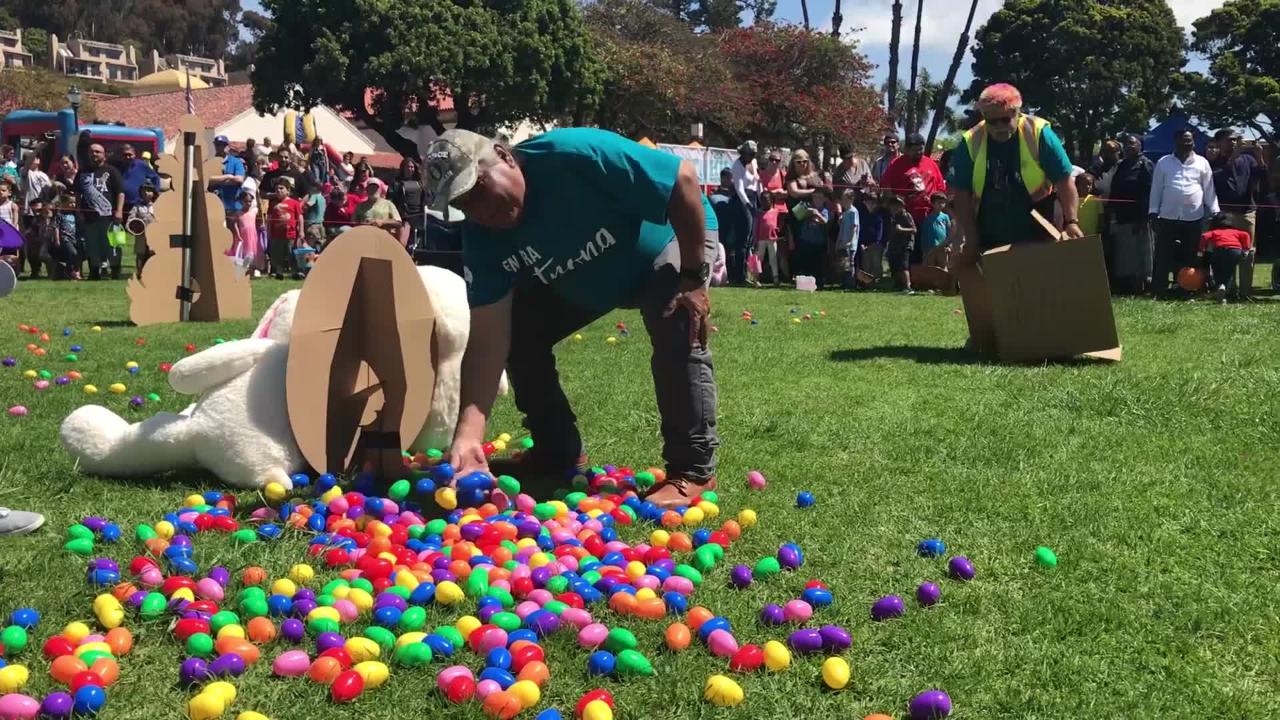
point(743, 203)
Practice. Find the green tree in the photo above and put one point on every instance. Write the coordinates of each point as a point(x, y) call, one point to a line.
point(391, 63)
point(1242, 88)
point(36, 41)
point(927, 95)
point(1093, 67)
point(37, 89)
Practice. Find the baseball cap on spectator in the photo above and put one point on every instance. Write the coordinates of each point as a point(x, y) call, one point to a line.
point(451, 165)
point(221, 140)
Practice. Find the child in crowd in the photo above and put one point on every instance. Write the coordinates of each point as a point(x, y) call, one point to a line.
point(338, 213)
point(767, 234)
point(63, 246)
point(847, 239)
point(871, 235)
point(284, 223)
point(902, 236)
point(142, 215)
point(1090, 212)
point(936, 230)
point(9, 214)
point(314, 211)
point(811, 246)
point(1221, 249)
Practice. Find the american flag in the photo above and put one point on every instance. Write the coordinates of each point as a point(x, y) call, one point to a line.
point(191, 101)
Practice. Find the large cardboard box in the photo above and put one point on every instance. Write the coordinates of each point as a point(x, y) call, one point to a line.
point(1041, 301)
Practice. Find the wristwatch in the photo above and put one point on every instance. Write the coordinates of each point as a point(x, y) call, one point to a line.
point(699, 274)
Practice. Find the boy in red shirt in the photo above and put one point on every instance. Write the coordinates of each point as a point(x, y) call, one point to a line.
point(284, 227)
point(1225, 247)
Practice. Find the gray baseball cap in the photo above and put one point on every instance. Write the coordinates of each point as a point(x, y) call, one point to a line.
point(451, 166)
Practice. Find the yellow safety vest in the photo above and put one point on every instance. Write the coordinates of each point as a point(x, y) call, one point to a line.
point(1033, 175)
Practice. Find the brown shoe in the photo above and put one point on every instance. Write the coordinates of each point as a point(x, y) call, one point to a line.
point(677, 491)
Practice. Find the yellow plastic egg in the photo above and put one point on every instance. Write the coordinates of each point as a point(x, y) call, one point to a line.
point(446, 498)
point(407, 581)
point(13, 677)
point(324, 613)
point(710, 509)
point(611, 340)
point(183, 594)
point(284, 586)
point(91, 389)
point(835, 673)
point(646, 594)
point(505, 437)
point(410, 637)
point(130, 365)
point(499, 446)
point(205, 706)
point(77, 631)
point(275, 492)
point(448, 593)
point(577, 337)
point(330, 494)
point(373, 672)
point(722, 691)
point(746, 518)
point(597, 710)
point(362, 649)
point(467, 624)
point(117, 388)
point(302, 573)
point(251, 715)
point(193, 500)
point(635, 569)
point(83, 648)
point(362, 599)
point(222, 689)
point(164, 529)
point(693, 516)
point(527, 692)
point(30, 374)
point(96, 328)
point(776, 656)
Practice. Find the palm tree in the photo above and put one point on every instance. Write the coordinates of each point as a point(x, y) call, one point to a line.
point(894, 40)
point(914, 119)
point(804, 8)
point(940, 102)
point(836, 20)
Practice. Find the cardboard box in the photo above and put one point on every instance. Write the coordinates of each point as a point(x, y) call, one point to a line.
point(361, 369)
point(1041, 301)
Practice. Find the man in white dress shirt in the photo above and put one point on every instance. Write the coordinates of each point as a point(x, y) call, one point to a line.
point(743, 203)
point(1182, 199)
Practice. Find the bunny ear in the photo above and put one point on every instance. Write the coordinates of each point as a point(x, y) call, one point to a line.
point(264, 326)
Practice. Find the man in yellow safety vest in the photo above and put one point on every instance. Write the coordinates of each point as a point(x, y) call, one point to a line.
point(998, 181)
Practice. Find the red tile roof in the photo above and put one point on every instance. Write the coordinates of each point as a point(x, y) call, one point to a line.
point(215, 106)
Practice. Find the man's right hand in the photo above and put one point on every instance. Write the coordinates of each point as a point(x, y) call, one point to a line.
point(467, 456)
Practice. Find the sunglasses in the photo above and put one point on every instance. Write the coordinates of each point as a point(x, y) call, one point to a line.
point(1000, 121)
point(802, 161)
point(775, 160)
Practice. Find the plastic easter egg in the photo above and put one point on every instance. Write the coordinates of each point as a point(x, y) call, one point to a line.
point(206, 706)
point(597, 710)
point(527, 692)
point(722, 643)
point(19, 707)
point(107, 670)
point(601, 662)
point(1046, 558)
point(55, 706)
point(805, 499)
point(460, 689)
point(740, 576)
point(346, 687)
point(805, 641)
point(756, 480)
point(961, 568)
point(747, 518)
point(18, 411)
point(722, 691)
point(13, 677)
point(632, 663)
point(772, 614)
point(501, 705)
point(835, 673)
point(292, 663)
point(117, 388)
point(931, 547)
point(88, 700)
point(797, 611)
point(835, 638)
point(776, 656)
point(592, 636)
point(251, 715)
point(26, 618)
point(677, 637)
point(930, 705)
point(748, 658)
point(887, 608)
point(66, 667)
point(374, 673)
point(928, 594)
point(222, 689)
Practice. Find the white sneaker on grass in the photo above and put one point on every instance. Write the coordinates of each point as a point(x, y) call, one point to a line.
point(18, 522)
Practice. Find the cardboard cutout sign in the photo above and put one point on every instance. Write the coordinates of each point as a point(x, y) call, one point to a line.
point(220, 290)
point(360, 377)
point(1041, 301)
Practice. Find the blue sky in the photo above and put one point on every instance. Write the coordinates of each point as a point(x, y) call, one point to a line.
point(867, 21)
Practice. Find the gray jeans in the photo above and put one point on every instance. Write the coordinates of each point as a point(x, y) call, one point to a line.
point(683, 375)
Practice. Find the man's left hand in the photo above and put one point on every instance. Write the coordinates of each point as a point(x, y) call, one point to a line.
point(1072, 231)
point(697, 303)
point(118, 218)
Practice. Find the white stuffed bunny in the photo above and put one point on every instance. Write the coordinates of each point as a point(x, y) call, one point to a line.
point(238, 428)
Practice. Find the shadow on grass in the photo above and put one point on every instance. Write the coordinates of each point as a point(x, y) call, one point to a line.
point(916, 353)
point(114, 323)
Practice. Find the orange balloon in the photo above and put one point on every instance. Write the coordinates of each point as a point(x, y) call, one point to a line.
point(1191, 279)
point(261, 630)
point(253, 575)
point(535, 671)
point(677, 636)
point(324, 670)
point(698, 615)
point(107, 669)
point(66, 667)
point(120, 640)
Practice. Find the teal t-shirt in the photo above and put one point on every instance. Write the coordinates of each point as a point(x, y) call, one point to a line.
point(1004, 216)
point(933, 232)
point(595, 219)
point(315, 211)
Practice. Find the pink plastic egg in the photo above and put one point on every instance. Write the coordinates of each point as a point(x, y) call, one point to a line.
point(797, 611)
point(293, 663)
point(447, 675)
point(541, 597)
point(722, 644)
point(527, 608)
point(678, 584)
point(755, 479)
point(347, 610)
point(646, 581)
point(151, 577)
point(41, 384)
point(18, 707)
point(19, 411)
point(576, 617)
point(492, 638)
point(209, 589)
point(485, 688)
point(592, 636)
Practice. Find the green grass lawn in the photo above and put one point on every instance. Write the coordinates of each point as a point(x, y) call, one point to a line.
point(1154, 480)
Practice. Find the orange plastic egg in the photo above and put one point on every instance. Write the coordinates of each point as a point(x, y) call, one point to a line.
point(698, 615)
point(535, 672)
point(253, 575)
point(120, 640)
point(650, 608)
point(732, 529)
point(245, 649)
point(502, 705)
point(107, 669)
point(623, 603)
point(679, 542)
point(324, 670)
point(261, 630)
point(677, 636)
point(66, 667)
point(123, 590)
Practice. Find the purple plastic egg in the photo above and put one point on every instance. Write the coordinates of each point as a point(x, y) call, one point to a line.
point(137, 401)
point(487, 612)
point(740, 576)
point(220, 575)
point(930, 705)
point(772, 614)
point(228, 665)
point(57, 705)
point(887, 608)
point(9, 361)
point(104, 564)
point(961, 568)
point(928, 594)
point(293, 630)
point(806, 640)
point(194, 671)
point(386, 599)
point(62, 380)
point(304, 594)
point(835, 638)
point(788, 557)
point(94, 523)
point(302, 608)
point(329, 640)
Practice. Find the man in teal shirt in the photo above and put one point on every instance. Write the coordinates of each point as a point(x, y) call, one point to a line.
point(1023, 168)
point(560, 230)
